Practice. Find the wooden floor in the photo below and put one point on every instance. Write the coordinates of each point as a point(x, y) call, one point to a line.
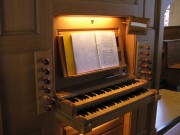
point(168, 109)
point(174, 131)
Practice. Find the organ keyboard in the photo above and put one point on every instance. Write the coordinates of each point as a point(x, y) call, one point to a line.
point(89, 109)
point(73, 103)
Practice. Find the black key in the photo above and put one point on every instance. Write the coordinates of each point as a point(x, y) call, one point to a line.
point(114, 87)
point(124, 98)
point(72, 99)
point(82, 97)
point(127, 83)
point(135, 81)
point(100, 106)
point(117, 100)
point(108, 103)
point(99, 92)
point(107, 89)
point(121, 85)
point(90, 110)
point(79, 97)
point(95, 109)
point(91, 94)
point(82, 112)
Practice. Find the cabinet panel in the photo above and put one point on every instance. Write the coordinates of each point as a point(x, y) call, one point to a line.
point(89, 7)
point(19, 16)
point(142, 118)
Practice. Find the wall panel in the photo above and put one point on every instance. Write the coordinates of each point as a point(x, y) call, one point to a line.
point(19, 17)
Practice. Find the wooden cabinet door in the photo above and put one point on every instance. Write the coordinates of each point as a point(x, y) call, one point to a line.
point(25, 26)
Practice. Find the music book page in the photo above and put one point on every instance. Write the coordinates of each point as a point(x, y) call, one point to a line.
point(85, 52)
point(94, 50)
point(107, 49)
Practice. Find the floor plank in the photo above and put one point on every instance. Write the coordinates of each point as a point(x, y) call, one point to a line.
point(174, 131)
point(168, 108)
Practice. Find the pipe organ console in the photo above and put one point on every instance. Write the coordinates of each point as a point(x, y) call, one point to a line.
point(86, 101)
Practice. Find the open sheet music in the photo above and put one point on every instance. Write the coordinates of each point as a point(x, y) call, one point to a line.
point(85, 52)
point(94, 50)
point(107, 49)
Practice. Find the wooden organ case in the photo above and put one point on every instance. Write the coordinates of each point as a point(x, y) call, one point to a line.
point(103, 101)
point(41, 97)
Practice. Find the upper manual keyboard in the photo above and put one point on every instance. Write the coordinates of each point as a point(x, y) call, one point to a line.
point(104, 92)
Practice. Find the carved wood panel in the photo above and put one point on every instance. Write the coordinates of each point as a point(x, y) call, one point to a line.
point(19, 17)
